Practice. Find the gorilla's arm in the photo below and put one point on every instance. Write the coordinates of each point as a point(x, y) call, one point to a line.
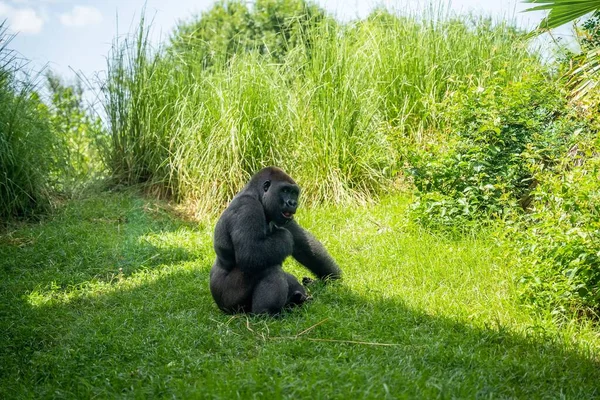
point(309, 252)
point(255, 248)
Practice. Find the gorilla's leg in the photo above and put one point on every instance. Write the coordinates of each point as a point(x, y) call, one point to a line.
point(296, 292)
point(309, 252)
point(231, 291)
point(270, 293)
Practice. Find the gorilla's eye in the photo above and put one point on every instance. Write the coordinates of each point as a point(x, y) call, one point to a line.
point(266, 185)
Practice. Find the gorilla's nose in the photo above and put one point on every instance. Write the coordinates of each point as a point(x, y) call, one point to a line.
point(292, 203)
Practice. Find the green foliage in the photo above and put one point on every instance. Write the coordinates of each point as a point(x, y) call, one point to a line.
point(590, 32)
point(80, 137)
point(26, 141)
point(128, 100)
point(44, 150)
point(583, 67)
point(497, 136)
point(269, 27)
point(419, 60)
point(560, 239)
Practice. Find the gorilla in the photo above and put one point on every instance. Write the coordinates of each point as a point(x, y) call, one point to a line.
point(253, 237)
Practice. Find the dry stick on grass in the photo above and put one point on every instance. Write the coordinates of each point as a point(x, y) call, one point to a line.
point(345, 341)
point(248, 325)
point(310, 328)
point(298, 336)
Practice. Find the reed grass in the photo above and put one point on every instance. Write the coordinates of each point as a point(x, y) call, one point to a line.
point(335, 112)
point(26, 141)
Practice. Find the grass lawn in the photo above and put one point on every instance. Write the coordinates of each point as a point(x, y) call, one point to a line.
point(109, 298)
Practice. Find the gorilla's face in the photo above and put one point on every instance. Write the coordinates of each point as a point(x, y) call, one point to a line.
point(280, 201)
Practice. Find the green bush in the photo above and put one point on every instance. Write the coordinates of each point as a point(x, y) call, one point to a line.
point(560, 239)
point(80, 138)
point(45, 150)
point(201, 134)
point(268, 27)
point(496, 136)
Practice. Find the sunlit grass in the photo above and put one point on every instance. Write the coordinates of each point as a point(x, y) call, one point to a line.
point(116, 280)
point(110, 298)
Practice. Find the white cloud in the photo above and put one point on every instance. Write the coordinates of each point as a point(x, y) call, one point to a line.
point(24, 20)
point(35, 2)
point(4, 10)
point(81, 16)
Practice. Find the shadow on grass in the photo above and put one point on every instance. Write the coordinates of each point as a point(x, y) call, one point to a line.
point(102, 238)
point(88, 247)
point(165, 338)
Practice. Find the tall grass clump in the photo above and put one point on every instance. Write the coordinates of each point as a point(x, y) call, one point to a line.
point(341, 140)
point(421, 59)
point(336, 105)
point(135, 151)
point(26, 140)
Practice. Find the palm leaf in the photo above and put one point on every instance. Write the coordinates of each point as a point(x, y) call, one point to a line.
point(584, 77)
point(562, 11)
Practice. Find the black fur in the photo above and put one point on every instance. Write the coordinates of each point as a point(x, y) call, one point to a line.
point(253, 237)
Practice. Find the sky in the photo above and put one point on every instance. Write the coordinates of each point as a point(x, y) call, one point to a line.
point(71, 36)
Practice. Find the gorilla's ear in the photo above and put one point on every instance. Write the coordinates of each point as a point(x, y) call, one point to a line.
point(266, 185)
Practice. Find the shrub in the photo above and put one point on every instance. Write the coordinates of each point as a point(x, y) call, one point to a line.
point(80, 138)
point(268, 27)
point(497, 136)
point(559, 240)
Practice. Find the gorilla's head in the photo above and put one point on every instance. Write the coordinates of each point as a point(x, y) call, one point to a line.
point(279, 195)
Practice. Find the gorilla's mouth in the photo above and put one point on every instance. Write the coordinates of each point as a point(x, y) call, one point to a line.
point(287, 215)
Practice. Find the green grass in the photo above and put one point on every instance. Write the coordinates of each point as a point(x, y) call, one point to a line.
point(109, 298)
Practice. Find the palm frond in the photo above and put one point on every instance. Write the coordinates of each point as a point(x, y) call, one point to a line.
point(585, 77)
point(561, 11)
